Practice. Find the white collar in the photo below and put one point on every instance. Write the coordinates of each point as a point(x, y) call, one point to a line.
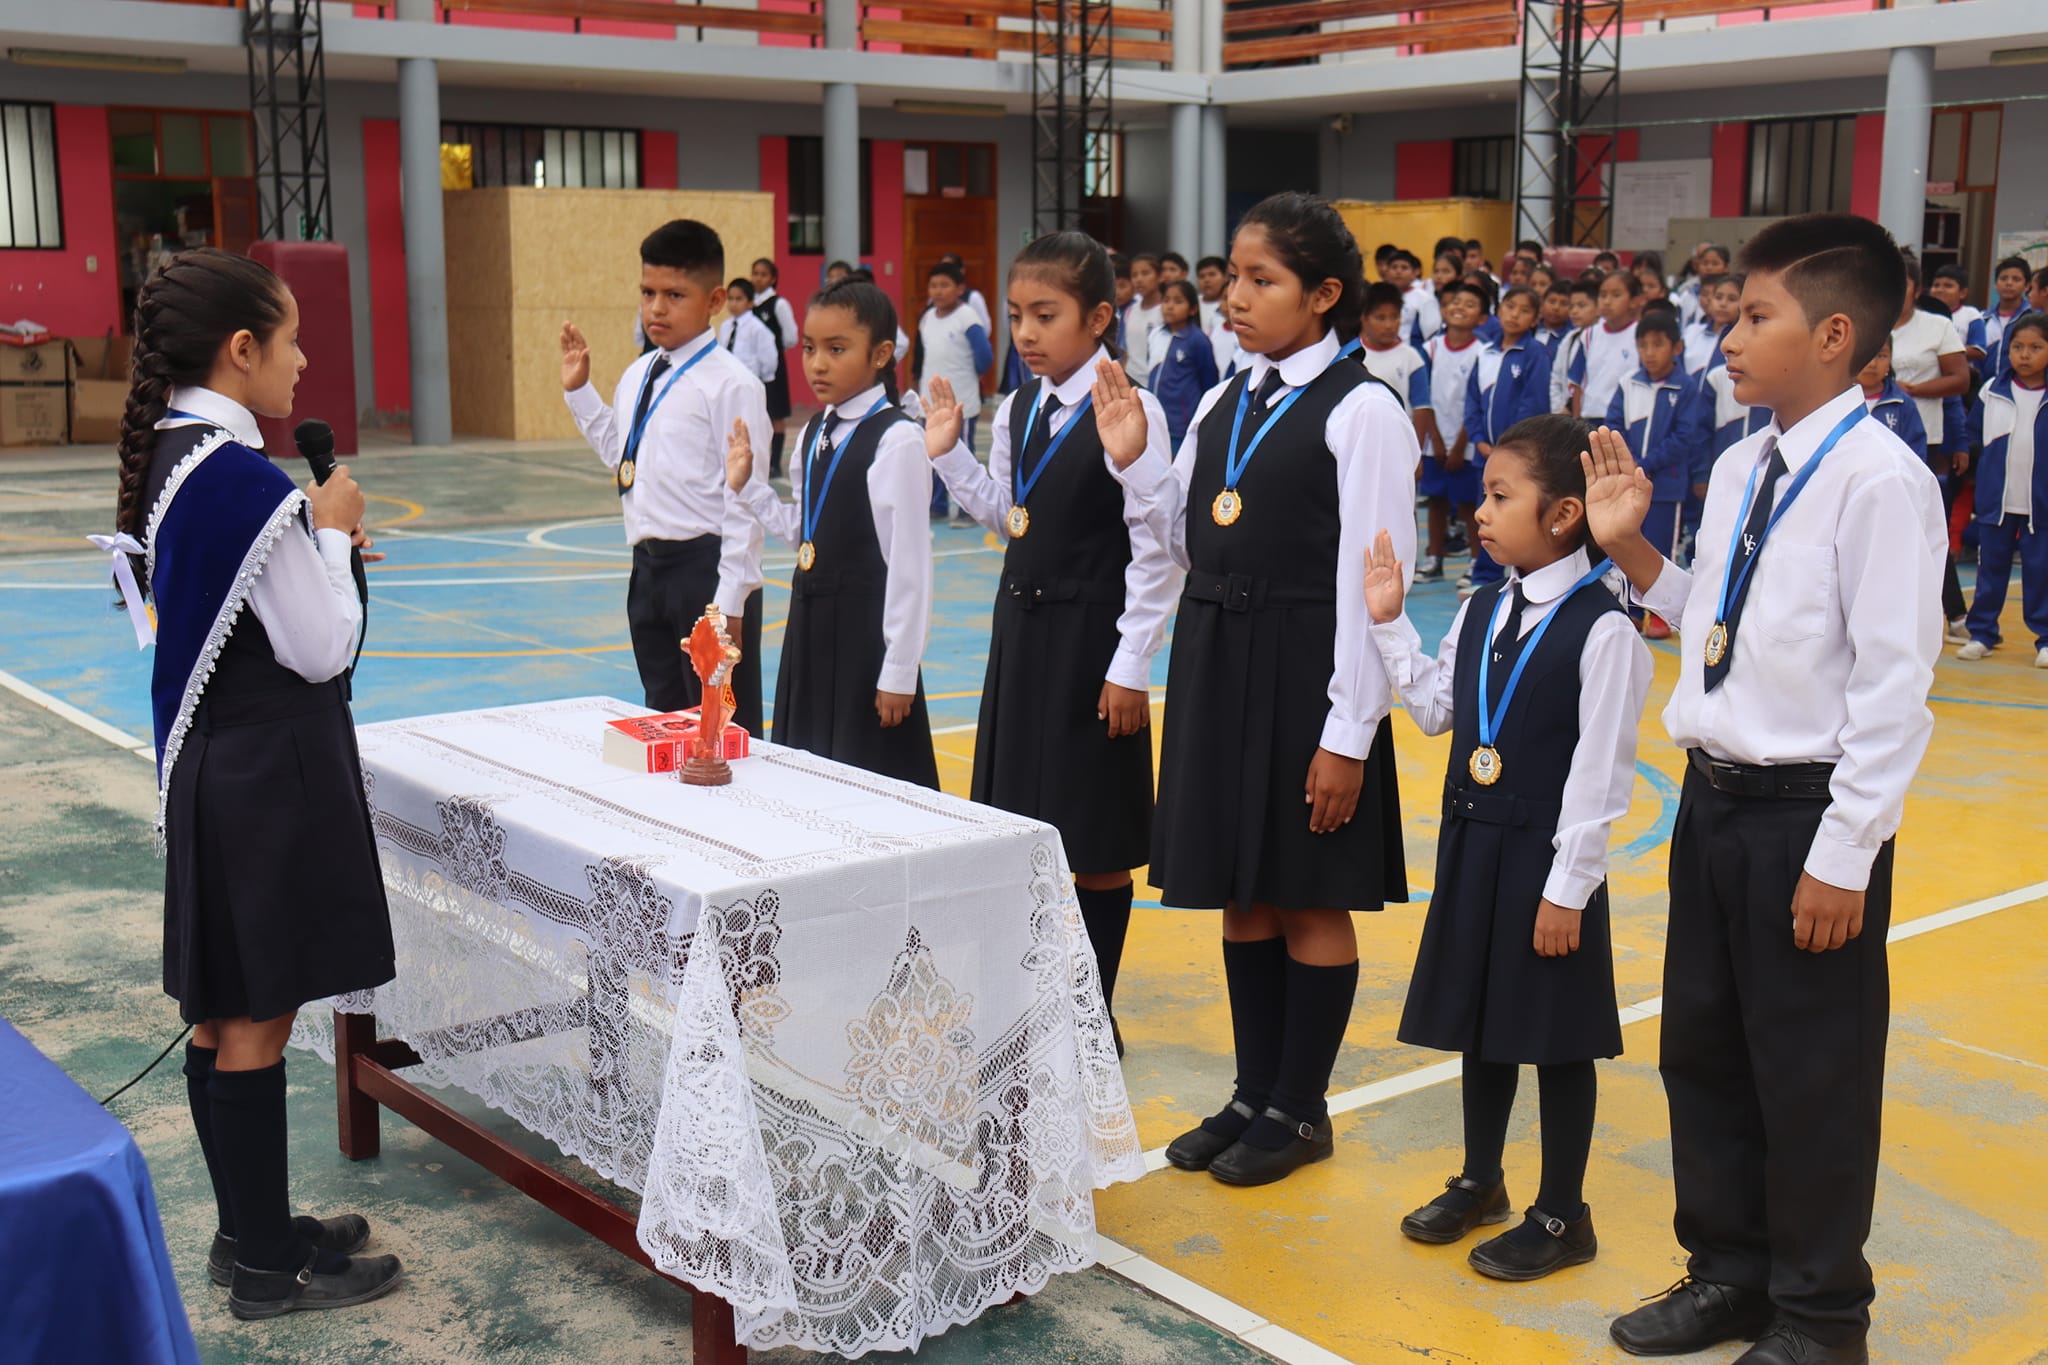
point(1799, 444)
point(1081, 382)
point(707, 337)
point(1299, 368)
point(858, 405)
point(762, 296)
point(214, 408)
point(1552, 581)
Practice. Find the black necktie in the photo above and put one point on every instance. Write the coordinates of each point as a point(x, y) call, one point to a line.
point(1506, 646)
point(1745, 550)
point(1038, 440)
point(1269, 388)
point(654, 372)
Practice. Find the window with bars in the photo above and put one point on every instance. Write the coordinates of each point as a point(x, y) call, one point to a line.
point(31, 214)
point(548, 158)
point(807, 197)
point(1480, 168)
point(1802, 165)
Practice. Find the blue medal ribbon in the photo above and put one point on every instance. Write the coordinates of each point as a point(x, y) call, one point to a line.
point(1491, 717)
point(1732, 579)
point(815, 493)
point(1026, 484)
point(1237, 462)
point(639, 428)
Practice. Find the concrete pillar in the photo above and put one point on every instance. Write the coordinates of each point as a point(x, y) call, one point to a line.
point(1536, 202)
point(1184, 130)
point(842, 141)
point(1215, 179)
point(426, 251)
point(1908, 124)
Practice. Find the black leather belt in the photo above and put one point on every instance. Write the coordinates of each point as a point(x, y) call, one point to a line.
point(1497, 808)
point(1242, 592)
point(1776, 782)
point(1032, 592)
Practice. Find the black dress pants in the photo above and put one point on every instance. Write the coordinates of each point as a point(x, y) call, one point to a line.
point(1773, 1063)
point(673, 581)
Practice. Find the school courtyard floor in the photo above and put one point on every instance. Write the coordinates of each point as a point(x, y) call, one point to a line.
point(507, 583)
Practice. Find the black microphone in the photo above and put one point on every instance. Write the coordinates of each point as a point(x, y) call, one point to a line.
point(315, 440)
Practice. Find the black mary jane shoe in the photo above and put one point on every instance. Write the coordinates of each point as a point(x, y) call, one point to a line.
point(1438, 1225)
point(1784, 1344)
point(1691, 1316)
point(1247, 1165)
point(255, 1294)
point(1200, 1145)
point(1546, 1243)
point(344, 1235)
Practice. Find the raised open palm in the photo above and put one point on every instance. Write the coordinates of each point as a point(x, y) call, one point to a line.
point(1119, 415)
point(1617, 490)
point(942, 419)
point(1385, 587)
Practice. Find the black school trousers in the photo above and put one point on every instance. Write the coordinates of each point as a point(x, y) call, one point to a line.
point(673, 581)
point(1773, 1063)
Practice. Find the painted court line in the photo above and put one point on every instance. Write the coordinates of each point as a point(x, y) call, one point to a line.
point(1999, 1056)
point(64, 710)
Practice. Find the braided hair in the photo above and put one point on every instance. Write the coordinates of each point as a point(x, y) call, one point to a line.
point(185, 313)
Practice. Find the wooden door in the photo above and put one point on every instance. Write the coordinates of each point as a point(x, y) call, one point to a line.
point(934, 227)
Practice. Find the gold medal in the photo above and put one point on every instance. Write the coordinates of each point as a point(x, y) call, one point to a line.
point(1485, 765)
point(625, 473)
point(1227, 508)
point(1020, 521)
point(1717, 644)
point(806, 556)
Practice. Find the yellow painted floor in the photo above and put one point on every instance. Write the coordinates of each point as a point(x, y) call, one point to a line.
point(1961, 1238)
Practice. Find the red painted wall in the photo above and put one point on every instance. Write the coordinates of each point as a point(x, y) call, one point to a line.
point(53, 287)
point(390, 344)
point(1731, 169)
point(1867, 170)
point(1422, 170)
point(657, 160)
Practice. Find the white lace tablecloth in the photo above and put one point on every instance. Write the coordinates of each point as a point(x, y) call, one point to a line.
point(843, 1035)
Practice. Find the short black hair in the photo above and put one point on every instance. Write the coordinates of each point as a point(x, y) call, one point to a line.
point(953, 257)
point(1380, 295)
point(1413, 261)
point(1208, 261)
point(1444, 244)
point(1382, 251)
point(1119, 266)
point(1558, 286)
point(1549, 446)
point(838, 265)
point(949, 270)
point(1663, 325)
point(1586, 284)
point(1605, 256)
point(1835, 263)
point(2018, 263)
point(1465, 286)
point(1955, 273)
point(1660, 307)
point(686, 245)
point(2041, 278)
point(1472, 242)
point(1529, 247)
point(1173, 258)
point(862, 273)
point(741, 283)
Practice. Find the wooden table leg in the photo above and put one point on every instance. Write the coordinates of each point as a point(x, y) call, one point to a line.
point(354, 1034)
point(712, 1332)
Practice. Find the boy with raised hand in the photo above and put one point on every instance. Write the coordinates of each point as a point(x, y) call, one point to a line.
point(663, 437)
point(1811, 623)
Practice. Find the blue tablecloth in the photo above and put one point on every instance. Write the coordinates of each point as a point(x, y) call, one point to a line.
point(84, 1275)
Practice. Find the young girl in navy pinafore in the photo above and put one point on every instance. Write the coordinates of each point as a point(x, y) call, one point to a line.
point(833, 648)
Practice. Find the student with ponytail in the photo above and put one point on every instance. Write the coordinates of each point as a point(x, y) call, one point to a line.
point(272, 892)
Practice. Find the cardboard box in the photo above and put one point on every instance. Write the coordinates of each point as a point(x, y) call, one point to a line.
point(99, 392)
point(49, 363)
point(33, 414)
point(659, 743)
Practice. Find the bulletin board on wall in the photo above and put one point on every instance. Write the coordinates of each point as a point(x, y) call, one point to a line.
point(522, 261)
point(1686, 233)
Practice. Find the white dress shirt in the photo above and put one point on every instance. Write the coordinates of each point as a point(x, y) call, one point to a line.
point(785, 318)
point(1918, 345)
point(305, 596)
point(750, 341)
point(1839, 634)
point(899, 498)
point(1372, 440)
point(1614, 678)
point(678, 490)
point(1138, 324)
point(1420, 313)
point(1151, 582)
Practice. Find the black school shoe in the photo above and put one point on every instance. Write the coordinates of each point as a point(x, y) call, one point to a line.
point(1691, 1316)
point(1438, 1223)
point(255, 1294)
point(1200, 1145)
point(344, 1235)
point(1784, 1344)
point(1543, 1243)
point(1306, 1143)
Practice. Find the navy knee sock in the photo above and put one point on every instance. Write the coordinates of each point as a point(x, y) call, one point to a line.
point(1317, 1009)
point(1255, 975)
point(198, 1072)
point(249, 1138)
point(1108, 917)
